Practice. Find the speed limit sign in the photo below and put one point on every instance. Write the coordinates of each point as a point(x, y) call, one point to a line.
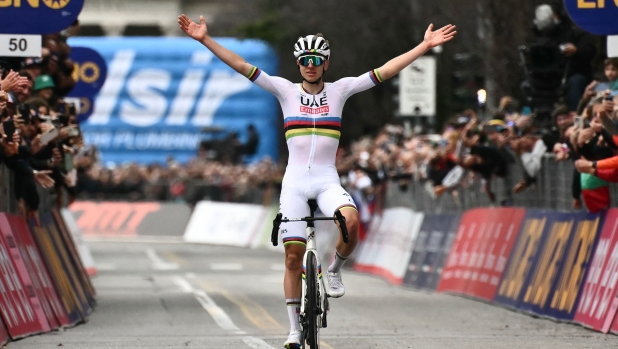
point(19, 45)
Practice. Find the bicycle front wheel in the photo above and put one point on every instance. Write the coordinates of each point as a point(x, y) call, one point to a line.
point(312, 303)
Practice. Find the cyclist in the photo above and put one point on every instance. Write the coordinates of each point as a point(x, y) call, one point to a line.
point(312, 125)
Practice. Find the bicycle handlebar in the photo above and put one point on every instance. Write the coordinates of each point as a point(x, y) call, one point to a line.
point(274, 237)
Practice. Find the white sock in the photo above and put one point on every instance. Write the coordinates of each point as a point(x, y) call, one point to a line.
point(293, 313)
point(339, 261)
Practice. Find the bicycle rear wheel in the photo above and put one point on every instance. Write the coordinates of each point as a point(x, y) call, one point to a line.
point(312, 303)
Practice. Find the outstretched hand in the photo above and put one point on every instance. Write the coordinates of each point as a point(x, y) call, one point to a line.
point(440, 36)
point(194, 30)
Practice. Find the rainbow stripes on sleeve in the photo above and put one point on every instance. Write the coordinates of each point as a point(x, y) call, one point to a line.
point(302, 126)
point(375, 76)
point(254, 74)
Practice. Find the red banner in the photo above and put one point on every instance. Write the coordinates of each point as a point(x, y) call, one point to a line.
point(8, 240)
point(56, 316)
point(496, 238)
point(599, 291)
point(112, 218)
point(481, 249)
point(17, 312)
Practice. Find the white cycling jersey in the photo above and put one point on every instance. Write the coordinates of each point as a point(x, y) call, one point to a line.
point(312, 123)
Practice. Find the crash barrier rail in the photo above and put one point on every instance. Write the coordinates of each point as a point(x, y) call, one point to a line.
point(551, 190)
point(45, 284)
point(558, 265)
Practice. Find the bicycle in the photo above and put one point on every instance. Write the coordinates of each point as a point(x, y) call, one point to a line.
point(314, 306)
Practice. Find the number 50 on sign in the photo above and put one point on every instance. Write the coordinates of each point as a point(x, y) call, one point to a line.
point(17, 45)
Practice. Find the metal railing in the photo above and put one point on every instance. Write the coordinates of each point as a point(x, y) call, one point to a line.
point(552, 190)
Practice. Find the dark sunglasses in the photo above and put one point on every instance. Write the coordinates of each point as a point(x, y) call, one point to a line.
point(315, 60)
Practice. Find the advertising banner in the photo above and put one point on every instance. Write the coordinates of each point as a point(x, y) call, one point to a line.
point(221, 223)
point(481, 249)
point(82, 248)
point(389, 244)
point(18, 314)
point(431, 250)
point(38, 16)
point(54, 308)
point(595, 16)
point(10, 251)
point(130, 219)
point(549, 263)
point(161, 93)
point(599, 292)
point(64, 281)
point(90, 71)
point(73, 257)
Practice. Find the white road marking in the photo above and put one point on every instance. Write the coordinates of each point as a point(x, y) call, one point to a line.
point(151, 239)
point(226, 266)
point(218, 314)
point(257, 343)
point(277, 267)
point(159, 263)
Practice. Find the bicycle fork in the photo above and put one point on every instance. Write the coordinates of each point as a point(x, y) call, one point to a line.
point(324, 306)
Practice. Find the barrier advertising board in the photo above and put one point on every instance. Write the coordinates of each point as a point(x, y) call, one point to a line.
point(10, 251)
point(130, 219)
point(549, 263)
point(481, 248)
point(42, 231)
point(18, 314)
point(600, 289)
point(56, 313)
point(388, 247)
point(73, 257)
point(222, 223)
point(432, 247)
point(162, 92)
point(82, 248)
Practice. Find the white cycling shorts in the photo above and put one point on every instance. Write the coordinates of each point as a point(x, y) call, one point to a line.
point(301, 184)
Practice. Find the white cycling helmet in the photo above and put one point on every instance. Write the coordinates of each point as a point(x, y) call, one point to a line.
point(312, 44)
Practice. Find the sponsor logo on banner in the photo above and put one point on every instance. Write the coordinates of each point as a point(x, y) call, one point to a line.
point(595, 16)
point(150, 108)
point(481, 250)
point(15, 256)
point(38, 16)
point(55, 238)
point(89, 73)
point(129, 219)
point(433, 244)
point(549, 263)
point(62, 279)
point(222, 223)
point(390, 244)
point(600, 289)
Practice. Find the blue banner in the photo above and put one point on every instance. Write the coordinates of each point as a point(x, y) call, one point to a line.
point(549, 262)
point(38, 16)
point(595, 16)
point(161, 93)
point(89, 73)
point(431, 250)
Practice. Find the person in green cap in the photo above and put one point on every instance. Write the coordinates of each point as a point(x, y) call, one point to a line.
point(44, 87)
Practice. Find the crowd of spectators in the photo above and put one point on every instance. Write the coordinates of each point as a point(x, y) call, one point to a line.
point(39, 130)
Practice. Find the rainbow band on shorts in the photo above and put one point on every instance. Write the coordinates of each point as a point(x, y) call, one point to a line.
point(294, 240)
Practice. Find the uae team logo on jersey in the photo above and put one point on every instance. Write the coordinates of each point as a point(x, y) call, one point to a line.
point(315, 106)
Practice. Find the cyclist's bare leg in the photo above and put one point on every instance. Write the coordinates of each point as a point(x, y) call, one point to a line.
point(293, 270)
point(351, 222)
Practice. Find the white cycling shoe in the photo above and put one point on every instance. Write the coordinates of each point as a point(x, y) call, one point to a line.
point(293, 341)
point(336, 286)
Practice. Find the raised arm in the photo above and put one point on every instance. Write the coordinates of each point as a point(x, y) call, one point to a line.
point(432, 39)
point(199, 32)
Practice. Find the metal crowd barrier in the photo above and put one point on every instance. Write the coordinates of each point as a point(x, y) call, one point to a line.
point(552, 190)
